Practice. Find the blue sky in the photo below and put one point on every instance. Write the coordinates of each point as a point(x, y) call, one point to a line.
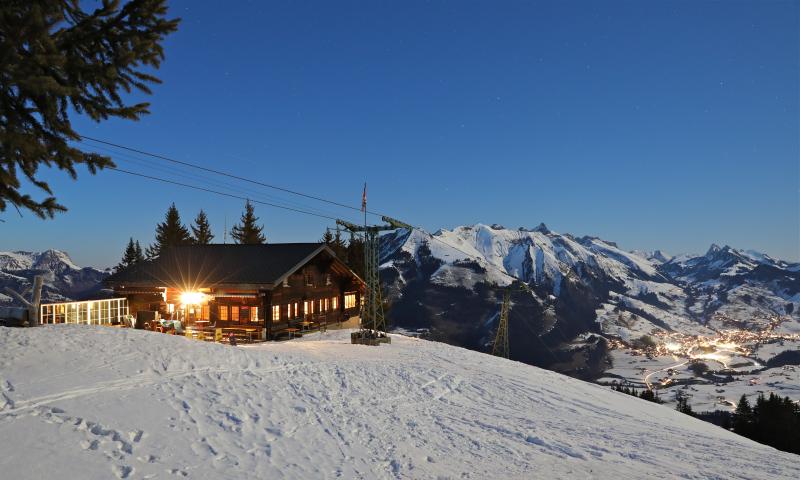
point(665, 125)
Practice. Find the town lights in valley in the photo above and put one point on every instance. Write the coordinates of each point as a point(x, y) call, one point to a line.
point(192, 298)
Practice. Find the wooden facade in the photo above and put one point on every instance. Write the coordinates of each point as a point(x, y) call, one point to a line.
point(273, 301)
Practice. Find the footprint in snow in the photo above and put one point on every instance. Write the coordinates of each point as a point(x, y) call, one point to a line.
point(122, 471)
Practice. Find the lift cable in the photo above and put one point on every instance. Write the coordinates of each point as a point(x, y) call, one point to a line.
point(229, 175)
point(166, 171)
point(217, 192)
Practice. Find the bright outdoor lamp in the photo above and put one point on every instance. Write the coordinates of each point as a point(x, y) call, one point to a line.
point(192, 298)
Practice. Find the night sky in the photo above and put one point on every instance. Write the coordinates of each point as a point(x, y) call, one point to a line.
point(666, 125)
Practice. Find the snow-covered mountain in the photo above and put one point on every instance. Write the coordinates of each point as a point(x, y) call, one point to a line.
point(448, 284)
point(63, 279)
point(92, 402)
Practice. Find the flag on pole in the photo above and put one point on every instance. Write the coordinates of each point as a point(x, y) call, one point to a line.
point(364, 198)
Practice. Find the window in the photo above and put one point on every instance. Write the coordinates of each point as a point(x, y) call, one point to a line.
point(325, 308)
point(328, 279)
point(254, 314)
point(223, 312)
point(276, 313)
point(234, 313)
point(350, 300)
point(205, 313)
point(308, 278)
point(335, 303)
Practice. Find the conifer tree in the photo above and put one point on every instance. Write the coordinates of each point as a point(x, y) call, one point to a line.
point(248, 231)
point(57, 59)
point(743, 417)
point(683, 404)
point(338, 245)
point(201, 230)
point(130, 256)
point(139, 254)
point(169, 233)
point(327, 238)
point(355, 254)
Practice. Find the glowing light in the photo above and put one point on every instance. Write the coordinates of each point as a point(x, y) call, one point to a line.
point(192, 298)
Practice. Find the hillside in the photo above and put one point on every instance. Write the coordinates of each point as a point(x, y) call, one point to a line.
point(147, 405)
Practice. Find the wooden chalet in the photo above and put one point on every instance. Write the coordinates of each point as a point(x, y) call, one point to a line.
point(271, 289)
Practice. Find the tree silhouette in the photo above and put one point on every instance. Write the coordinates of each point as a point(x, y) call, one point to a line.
point(57, 59)
point(201, 230)
point(169, 233)
point(131, 256)
point(248, 231)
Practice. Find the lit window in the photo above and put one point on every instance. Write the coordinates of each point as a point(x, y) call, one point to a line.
point(254, 314)
point(234, 313)
point(223, 312)
point(350, 300)
point(205, 312)
point(325, 308)
point(276, 313)
point(335, 303)
point(296, 310)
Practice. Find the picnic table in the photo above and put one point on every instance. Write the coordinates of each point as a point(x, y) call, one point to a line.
point(305, 325)
point(243, 333)
point(292, 331)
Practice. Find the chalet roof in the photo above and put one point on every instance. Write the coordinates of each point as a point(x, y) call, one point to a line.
point(193, 266)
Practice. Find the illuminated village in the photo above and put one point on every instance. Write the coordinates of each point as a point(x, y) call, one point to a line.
point(713, 371)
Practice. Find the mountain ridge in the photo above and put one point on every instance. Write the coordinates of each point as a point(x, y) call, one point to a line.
point(430, 278)
point(63, 279)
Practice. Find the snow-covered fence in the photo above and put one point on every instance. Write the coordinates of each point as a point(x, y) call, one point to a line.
point(111, 311)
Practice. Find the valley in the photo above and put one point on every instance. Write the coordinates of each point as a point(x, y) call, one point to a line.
point(711, 371)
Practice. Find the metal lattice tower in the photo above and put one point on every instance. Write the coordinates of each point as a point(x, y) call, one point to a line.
point(500, 347)
point(372, 317)
point(372, 314)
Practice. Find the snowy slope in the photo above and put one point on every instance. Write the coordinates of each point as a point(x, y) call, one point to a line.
point(147, 405)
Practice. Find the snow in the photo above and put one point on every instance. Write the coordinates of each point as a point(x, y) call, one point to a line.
point(16, 260)
point(94, 403)
point(19, 260)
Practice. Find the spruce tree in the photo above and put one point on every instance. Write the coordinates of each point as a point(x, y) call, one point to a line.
point(683, 404)
point(743, 417)
point(201, 230)
point(139, 254)
point(169, 233)
point(129, 257)
point(355, 254)
point(248, 231)
point(57, 59)
point(338, 245)
point(327, 238)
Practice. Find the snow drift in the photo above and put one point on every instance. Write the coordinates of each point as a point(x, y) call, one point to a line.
point(94, 402)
